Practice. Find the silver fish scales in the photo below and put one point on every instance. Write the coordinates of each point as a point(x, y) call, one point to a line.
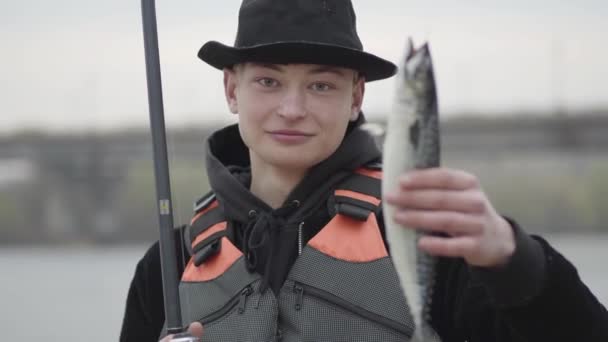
point(412, 141)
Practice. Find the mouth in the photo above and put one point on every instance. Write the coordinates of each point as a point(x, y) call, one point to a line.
point(288, 136)
point(288, 132)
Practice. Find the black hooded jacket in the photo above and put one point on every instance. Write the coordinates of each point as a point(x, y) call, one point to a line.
point(537, 296)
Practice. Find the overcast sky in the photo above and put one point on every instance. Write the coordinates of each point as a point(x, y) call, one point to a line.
point(69, 64)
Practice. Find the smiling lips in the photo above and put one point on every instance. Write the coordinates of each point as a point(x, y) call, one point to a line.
point(288, 136)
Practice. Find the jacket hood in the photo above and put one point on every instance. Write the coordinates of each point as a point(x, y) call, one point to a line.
point(228, 169)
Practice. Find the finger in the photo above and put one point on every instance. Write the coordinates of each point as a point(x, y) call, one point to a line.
point(439, 178)
point(448, 246)
point(463, 201)
point(196, 329)
point(449, 222)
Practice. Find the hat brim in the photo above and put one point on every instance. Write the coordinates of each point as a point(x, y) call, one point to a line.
point(222, 56)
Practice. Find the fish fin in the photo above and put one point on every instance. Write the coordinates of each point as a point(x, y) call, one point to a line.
point(409, 48)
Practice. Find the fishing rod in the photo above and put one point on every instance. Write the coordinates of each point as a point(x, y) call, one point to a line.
point(168, 256)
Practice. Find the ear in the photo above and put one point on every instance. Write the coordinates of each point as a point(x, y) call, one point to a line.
point(358, 93)
point(230, 83)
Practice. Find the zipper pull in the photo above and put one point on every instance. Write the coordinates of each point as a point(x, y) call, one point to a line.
point(299, 290)
point(278, 336)
point(244, 294)
point(300, 239)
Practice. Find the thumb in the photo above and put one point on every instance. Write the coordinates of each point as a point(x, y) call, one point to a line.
point(196, 329)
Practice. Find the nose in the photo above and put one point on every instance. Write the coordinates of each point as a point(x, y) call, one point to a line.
point(292, 106)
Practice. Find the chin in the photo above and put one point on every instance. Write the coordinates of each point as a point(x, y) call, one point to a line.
point(292, 160)
point(294, 163)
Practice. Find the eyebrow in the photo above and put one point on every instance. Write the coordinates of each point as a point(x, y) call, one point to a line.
point(267, 65)
point(317, 70)
point(329, 69)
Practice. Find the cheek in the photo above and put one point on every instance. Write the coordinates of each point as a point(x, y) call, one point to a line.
point(334, 127)
point(254, 113)
point(338, 131)
point(334, 116)
point(255, 105)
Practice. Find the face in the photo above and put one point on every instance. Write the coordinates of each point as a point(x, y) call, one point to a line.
point(293, 116)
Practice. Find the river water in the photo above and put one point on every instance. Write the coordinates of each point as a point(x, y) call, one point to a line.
point(78, 293)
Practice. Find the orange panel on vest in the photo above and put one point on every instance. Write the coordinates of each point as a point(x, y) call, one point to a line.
point(217, 264)
point(347, 239)
point(370, 173)
point(363, 197)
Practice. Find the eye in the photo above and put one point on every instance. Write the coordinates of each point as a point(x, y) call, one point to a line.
point(267, 82)
point(321, 87)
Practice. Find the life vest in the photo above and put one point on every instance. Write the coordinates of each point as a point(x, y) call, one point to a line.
point(342, 287)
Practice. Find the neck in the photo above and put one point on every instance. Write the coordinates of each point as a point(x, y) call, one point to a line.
point(273, 184)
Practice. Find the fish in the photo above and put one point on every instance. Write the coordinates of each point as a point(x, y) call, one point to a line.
point(411, 142)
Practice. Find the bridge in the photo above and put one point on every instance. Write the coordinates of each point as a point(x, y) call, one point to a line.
point(76, 183)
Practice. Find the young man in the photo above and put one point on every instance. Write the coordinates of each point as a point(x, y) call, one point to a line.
point(290, 246)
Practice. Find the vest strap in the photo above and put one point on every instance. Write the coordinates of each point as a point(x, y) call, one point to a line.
point(354, 208)
point(376, 166)
point(208, 247)
point(204, 222)
point(359, 195)
point(204, 202)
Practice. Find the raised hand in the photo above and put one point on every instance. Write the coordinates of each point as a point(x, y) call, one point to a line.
point(453, 202)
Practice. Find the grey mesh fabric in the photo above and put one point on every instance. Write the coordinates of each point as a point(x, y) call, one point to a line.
point(258, 321)
point(204, 298)
point(318, 321)
point(371, 288)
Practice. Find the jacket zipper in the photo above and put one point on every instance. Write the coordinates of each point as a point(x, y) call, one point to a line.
point(300, 242)
point(300, 288)
point(239, 300)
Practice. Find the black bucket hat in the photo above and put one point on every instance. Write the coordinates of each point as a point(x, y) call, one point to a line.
point(298, 31)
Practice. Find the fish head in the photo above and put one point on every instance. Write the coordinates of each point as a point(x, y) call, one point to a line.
point(416, 104)
point(416, 80)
